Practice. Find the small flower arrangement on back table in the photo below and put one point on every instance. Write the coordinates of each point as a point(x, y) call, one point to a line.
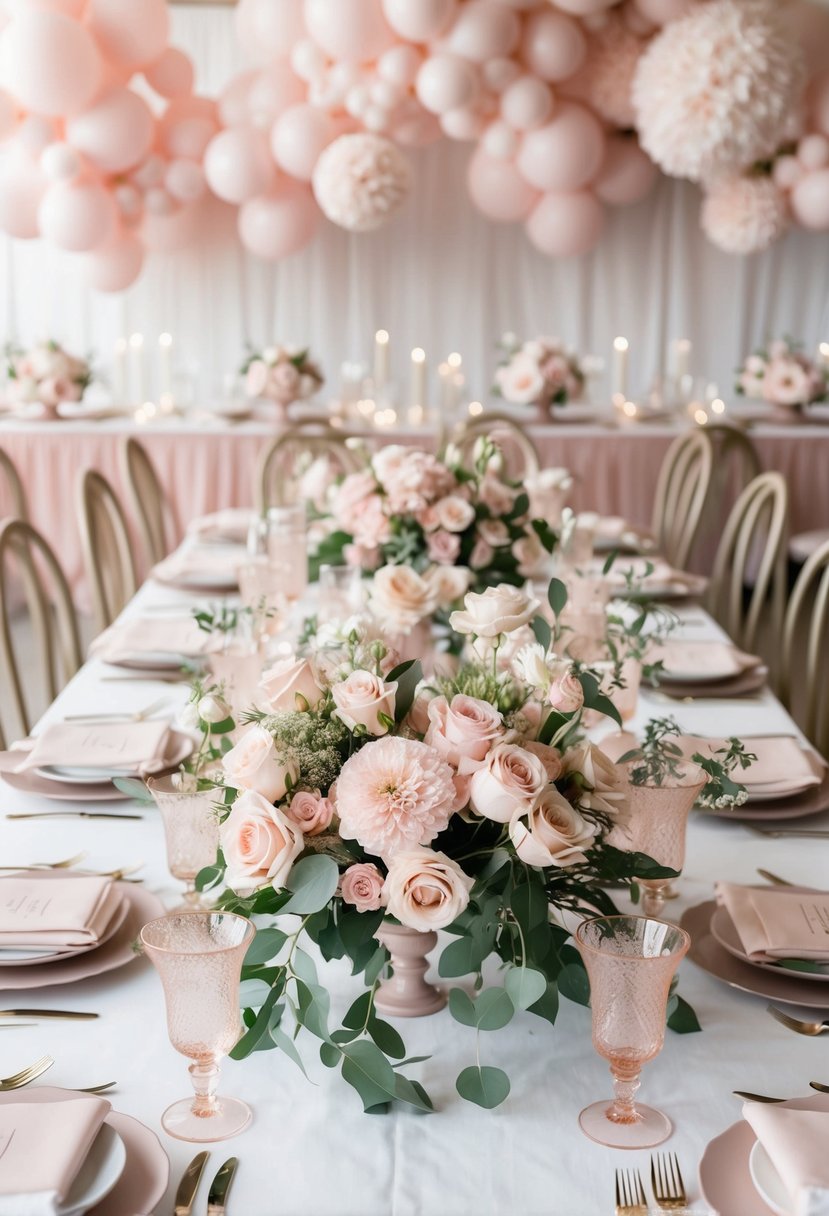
point(542, 372)
point(281, 374)
point(45, 373)
point(783, 376)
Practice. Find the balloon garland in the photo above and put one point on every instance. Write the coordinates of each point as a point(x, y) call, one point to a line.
point(571, 106)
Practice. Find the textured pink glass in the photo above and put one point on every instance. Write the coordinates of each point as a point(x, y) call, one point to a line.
point(191, 830)
point(238, 668)
point(199, 957)
point(659, 819)
point(630, 961)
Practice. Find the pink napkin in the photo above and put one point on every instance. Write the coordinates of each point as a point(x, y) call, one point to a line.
point(796, 1141)
point(55, 911)
point(782, 764)
point(232, 524)
point(144, 635)
point(42, 1148)
point(125, 746)
point(198, 562)
point(701, 659)
point(778, 923)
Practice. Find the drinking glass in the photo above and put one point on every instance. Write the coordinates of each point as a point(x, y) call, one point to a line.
point(191, 831)
point(658, 822)
point(630, 961)
point(340, 592)
point(261, 587)
point(198, 956)
point(281, 535)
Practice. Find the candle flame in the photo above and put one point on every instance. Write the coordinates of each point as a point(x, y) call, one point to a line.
point(621, 344)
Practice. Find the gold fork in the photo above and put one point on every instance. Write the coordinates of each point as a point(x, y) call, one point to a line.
point(807, 1028)
point(19, 1079)
point(666, 1180)
point(630, 1194)
point(66, 864)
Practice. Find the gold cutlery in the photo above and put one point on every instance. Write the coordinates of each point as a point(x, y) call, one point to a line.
point(189, 1185)
point(219, 1187)
point(774, 879)
point(19, 1079)
point(780, 833)
point(68, 1015)
point(49, 865)
point(630, 1194)
point(97, 1089)
point(137, 678)
point(821, 1089)
point(740, 1093)
point(666, 1180)
point(15, 1025)
point(69, 815)
point(140, 716)
point(807, 1028)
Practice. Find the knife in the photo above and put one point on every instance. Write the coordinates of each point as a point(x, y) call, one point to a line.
point(70, 1015)
point(68, 815)
point(219, 1187)
point(189, 1184)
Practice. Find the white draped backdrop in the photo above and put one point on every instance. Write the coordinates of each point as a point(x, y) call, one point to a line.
point(439, 276)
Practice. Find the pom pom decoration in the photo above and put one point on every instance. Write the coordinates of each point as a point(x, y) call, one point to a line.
point(360, 181)
point(744, 214)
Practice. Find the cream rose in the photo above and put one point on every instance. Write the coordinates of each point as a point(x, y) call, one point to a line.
point(531, 556)
point(290, 684)
point(550, 757)
point(604, 784)
point(509, 781)
point(454, 513)
point(254, 765)
point(401, 598)
point(259, 843)
point(496, 610)
point(566, 692)
point(462, 731)
point(426, 890)
point(554, 833)
point(448, 583)
point(362, 886)
point(310, 812)
point(361, 699)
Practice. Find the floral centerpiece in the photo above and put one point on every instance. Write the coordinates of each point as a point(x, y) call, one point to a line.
point(281, 374)
point(360, 799)
point(45, 373)
point(783, 376)
point(542, 372)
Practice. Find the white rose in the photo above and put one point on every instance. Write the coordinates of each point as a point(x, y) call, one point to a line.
point(361, 699)
point(259, 843)
point(521, 380)
point(254, 765)
point(212, 709)
point(554, 834)
point(497, 610)
point(290, 685)
point(531, 556)
point(454, 513)
point(401, 598)
point(425, 890)
point(449, 583)
point(508, 783)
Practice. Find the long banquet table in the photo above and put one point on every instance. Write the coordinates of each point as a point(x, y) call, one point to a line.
point(310, 1150)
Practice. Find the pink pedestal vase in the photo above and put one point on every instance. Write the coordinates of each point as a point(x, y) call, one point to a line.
point(407, 994)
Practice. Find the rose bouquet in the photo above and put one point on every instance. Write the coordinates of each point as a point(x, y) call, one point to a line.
point(359, 797)
point(281, 374)
point(47, 374)
point(783, 376)
point(540, 372)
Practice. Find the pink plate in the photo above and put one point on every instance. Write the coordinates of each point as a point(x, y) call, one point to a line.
point(73, 952)
point(736, 686)
point(810, 802)
point(724, 931)
point(147, 1171)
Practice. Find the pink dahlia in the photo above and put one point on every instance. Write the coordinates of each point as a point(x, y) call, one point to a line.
point(744, 214)
point(394, 794)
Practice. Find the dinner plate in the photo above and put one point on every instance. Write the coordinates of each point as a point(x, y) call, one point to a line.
point(710, 956)
point(812, 801)
point(725, 932)
point(767, 1182)
point(738, 686)
point(79, 774)
point(18, 958)
point(98, 1175)
point(700, 657)
point(153, 660)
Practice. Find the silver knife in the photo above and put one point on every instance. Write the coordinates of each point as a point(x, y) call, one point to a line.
point(189, 1184)
point(219, 1187)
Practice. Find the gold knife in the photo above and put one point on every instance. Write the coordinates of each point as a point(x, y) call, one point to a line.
point(69, 815)
point(219, 1187)
point(68, 1014)
point(186, 1193)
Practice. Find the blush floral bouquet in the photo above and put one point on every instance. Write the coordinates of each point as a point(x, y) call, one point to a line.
point(281, 374)
point(783, 376)
point(542, 372)
point(45, 373)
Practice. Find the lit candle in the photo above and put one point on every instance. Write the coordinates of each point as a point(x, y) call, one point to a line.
point(621, 348)
point(418, 393)
point(165, 365)
point(137, 379)
point(680, 358)
point(119, 372)
point(823, 352)
point(381, 359)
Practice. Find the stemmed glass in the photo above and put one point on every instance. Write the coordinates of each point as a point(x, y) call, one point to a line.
point(659, 819)
point(199, 956)
point(340, 592)
point(191, 831)
point(281, 536)
point(630, 961)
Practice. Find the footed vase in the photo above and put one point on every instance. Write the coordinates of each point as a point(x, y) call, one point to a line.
point(407, 994)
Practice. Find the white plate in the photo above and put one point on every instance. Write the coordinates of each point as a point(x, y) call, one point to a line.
point(768, 1183)
point(769, 793)
point(98, 1175)
point(156, 660)
point(77, 774)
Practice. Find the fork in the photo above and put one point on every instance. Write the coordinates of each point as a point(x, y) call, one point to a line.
point(19, 1079)
point(796, 833)
point(741, 1093)
point(774, 879)
point(666, 1180)
point(630, 1194)
point(807, 1028)
point(66, 864)
point(139, 716)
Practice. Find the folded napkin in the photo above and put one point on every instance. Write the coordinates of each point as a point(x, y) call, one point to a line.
point(58, 911)
point(42, 1148)
point(149, 635)
point(717, 660)
point(108, 745)
point(782, 763)
point(230, 524)
point(217, 563)
point(774, 924)
point(796, 1141)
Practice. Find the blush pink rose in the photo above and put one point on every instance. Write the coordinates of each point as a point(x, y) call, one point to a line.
point(426, 890)
point(550, 757)
point(369, 523)
point(481, 555)
point(353, 490)
point(494, 494)
point(256, 379)
point(463, 730)
point(494, 532)
point(283, 382)
point(362, 886)
point(366, 559)
point(566, 693)
point(289, 685)
point(521, 381)
point(259, 843)
point(552, 833)
point(253, 764)
point(310, 812)
point(507, 783)
point(449, 583)
point(361, 699)
point(454, 513)
point(443, 547)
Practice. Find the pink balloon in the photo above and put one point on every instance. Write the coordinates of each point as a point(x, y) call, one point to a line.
point(566, 225)
point(660, 12)
point(500, 141)
point(810, 200)
point(159, 201)
point(527, 104)
point(567, 153)
point(484, 29)
point(282, 222)
point(116, 133)
point(464, 124)
point(77, 216)
point(22, 186)
point(628, 174)
point(49, 62)
point(169, 233)
point(417, 130)
point(116, 265)
point(233, 102)
point(420, 20)
point(819, 92)
point(268, 29)
point(787, 172)
point(400, 65)
point(813, 151)
point(348, 29)
point(36, 133)
point(238, 165)
point(171, 75)
point(446, 82)
point(298, 138)
point(8, 115)
point(187, 127)
point(70, 8)
point(151, 173)
point(184, 180)
point(130, 34)
point(274, 90)
point(499, 73)
point(584, 8)
point(130, 203)
point(498, 190)
point(554, 46)
point(59, 162)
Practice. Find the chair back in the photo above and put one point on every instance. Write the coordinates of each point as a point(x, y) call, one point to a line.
point(283, 462)
point(520, 454)
point(25, 552)
point(11, 478)
point(107, 550)
point(149, 503)
point(750, 563)
point(810, 595)
point(681, 491)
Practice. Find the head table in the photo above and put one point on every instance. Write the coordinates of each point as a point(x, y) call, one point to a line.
point(310, 1150)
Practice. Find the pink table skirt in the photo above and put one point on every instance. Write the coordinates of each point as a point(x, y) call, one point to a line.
point(204, 470)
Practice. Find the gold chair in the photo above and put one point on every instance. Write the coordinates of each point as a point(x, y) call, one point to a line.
point(14, 485)
point(282, 463)
point(49, 602)
point(510, 435)
point(107, 550)
point(752, 555)
point(681, 491)
point(150, 504)
point(810, 590)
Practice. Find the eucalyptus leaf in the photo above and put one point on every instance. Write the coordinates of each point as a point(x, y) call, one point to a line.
point(369, 1072)
point(524, 986)
point(683, 1019)
point(387, 1038)
point(493, 1009)
point(134, 789)
point(253, 993)
point(574, 984)
point(312, 881)
point(557, 596)
point(462, 1007)
point(265, 946)
point(487, 1087)
point(286, 1045)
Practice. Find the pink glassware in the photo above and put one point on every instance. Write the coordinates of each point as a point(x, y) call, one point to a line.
point(630, 961)
point(199, 956)
point(658, 823)
point(191, 832)
point(261, 588)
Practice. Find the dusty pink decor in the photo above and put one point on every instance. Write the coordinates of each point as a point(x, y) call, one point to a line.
point(191, 830)
point(407, 994)
point(659, 818)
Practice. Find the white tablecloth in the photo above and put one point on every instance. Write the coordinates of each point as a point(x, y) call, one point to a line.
point(310, 1150)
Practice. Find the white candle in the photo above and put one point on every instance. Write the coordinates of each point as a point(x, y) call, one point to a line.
point(381, 359)
point(823, 353)
point(418, 393)
point(138, 379)
point(119, 372)
point(680, 358)
point(165, 365)
point(621, 348)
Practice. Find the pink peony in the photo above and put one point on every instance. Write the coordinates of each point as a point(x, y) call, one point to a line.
point(369, 524)
point(362, 886)
point(419, 480)
point(354, 490)
point(394, 794)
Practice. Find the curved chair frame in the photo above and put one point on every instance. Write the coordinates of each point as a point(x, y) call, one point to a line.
point(107, 549)
point(147, 499)
point(681, 492)
point(9, 473)
point(468, 432)
point(312, 437)
point(814, 575)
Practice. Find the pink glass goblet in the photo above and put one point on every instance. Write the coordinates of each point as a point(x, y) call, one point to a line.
point(658, 823)
point(191, 831)
point(199, 957)
point(630, 961)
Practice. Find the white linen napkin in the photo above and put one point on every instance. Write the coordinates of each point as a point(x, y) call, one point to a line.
point(108, 745)
point(42, 1147)
point(59, 911)
point(796, 1141)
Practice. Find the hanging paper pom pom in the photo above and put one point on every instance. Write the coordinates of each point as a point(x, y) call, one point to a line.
point(744, 214)
point(361, 180)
